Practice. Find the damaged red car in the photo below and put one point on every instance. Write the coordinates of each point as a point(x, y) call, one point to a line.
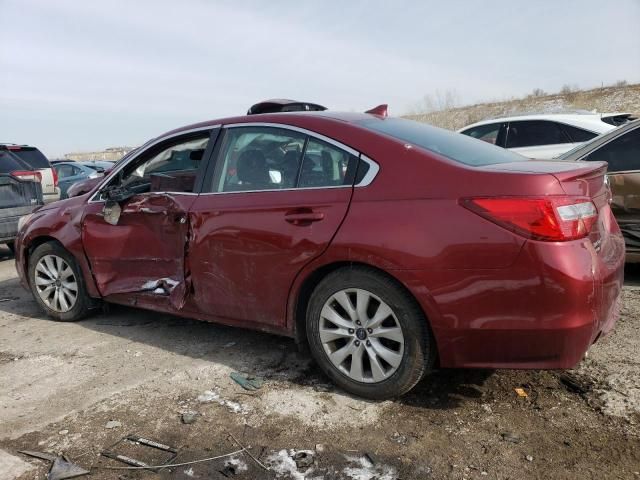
point(387, 246)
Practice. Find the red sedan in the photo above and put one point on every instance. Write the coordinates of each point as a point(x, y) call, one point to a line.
point(385, 245)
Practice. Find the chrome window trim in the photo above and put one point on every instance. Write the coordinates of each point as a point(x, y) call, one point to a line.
point(143, 150)
point(331, 187)
point(374, 168)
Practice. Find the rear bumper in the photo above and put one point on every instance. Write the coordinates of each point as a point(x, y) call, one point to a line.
point(545, 311)
point(51, 197)
point(9, 218)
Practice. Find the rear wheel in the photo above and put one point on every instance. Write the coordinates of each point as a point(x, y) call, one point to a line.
point(368, 334)
point(57, 284)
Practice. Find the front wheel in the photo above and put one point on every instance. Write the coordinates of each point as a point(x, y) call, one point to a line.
point(57, 284)
point(368, 334)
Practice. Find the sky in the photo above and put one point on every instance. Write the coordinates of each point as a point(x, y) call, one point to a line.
point(79, 75)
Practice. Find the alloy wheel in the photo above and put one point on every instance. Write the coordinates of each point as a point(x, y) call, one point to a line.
point(56, 283)
point(361, 335)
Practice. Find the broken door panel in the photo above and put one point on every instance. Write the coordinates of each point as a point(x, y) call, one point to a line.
point(144, 252)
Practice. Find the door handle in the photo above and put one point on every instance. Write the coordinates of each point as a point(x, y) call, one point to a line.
point(303, 217)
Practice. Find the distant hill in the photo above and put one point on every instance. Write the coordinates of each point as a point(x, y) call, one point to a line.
point(608, 99)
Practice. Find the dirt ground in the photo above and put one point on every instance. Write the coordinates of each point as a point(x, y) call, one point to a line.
point(63, 385)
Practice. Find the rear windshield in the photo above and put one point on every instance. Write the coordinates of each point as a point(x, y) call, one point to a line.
point(33, 157)
point(10, 163)
point(455, 146)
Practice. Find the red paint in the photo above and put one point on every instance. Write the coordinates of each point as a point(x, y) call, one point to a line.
point(493, 297)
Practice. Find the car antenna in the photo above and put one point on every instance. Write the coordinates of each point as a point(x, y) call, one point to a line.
point(379, 110)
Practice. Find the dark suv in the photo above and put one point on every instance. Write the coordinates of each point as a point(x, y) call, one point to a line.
point(36, 160)
point(20, 194)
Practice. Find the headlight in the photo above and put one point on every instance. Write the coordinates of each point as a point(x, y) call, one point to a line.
point(94, 175)
point(22, 221)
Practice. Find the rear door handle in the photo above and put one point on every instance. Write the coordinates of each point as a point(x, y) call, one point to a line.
point(303, 218)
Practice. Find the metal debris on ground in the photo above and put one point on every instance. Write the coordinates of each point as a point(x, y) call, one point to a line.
point(248, 382)
point(510, 437)
point(136, 440)
point(61, 467)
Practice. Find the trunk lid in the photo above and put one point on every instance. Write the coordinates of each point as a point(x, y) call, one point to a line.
point(577, 179)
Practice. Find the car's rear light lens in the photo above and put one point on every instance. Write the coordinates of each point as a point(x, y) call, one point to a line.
point(548, 218)
point(55, 177)
point(27, 175)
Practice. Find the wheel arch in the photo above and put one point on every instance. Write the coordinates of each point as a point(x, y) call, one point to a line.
point(32, 245)
point(306, 287)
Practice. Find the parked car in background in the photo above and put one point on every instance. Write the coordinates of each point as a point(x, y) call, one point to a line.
point(544, 136)
point(302, 224)
point(37, 161)
point(72, 172)
point(20, 194)
point(620, 148)
point(84, 186)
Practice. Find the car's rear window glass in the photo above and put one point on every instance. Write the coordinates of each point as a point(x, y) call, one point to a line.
point(9, 163)
point(578, 134)
point(455, 146)
point(33, 157)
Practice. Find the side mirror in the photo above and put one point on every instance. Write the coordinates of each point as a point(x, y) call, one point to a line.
point(111, 212)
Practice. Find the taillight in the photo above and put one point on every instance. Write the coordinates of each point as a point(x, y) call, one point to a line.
point(549, 218)
point(55, 177)
point(27, 175)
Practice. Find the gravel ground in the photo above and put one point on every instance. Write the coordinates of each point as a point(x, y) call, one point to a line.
point(63, 385)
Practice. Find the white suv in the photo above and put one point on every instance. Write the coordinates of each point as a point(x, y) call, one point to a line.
point(544, 136)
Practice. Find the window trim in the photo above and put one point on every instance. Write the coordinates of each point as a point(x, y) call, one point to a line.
point(374, 167)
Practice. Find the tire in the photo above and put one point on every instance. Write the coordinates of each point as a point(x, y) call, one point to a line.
point(410, 351)
point(53, 255)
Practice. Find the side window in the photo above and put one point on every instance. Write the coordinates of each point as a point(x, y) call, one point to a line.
point(75, 171)
point(622, 154)
point(325, 165)
point(486, 133)
point(259, 158)
point(167, 168)
point(532, 133)
point(578, 135)
point(65, 171)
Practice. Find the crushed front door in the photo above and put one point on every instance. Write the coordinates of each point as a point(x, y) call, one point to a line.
point(144, 252)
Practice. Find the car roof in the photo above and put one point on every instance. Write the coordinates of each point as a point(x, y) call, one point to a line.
point(588, 121)
point(586, 148)
point(286, 118)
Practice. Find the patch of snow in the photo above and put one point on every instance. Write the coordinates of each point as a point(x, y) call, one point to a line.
point(284, 466)
point(363, 469)
point(214, 397)
point(237, 463)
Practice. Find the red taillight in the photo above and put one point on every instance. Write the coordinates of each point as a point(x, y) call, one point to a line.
point(27, 175)
point(550, 218)
point(55, 177)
